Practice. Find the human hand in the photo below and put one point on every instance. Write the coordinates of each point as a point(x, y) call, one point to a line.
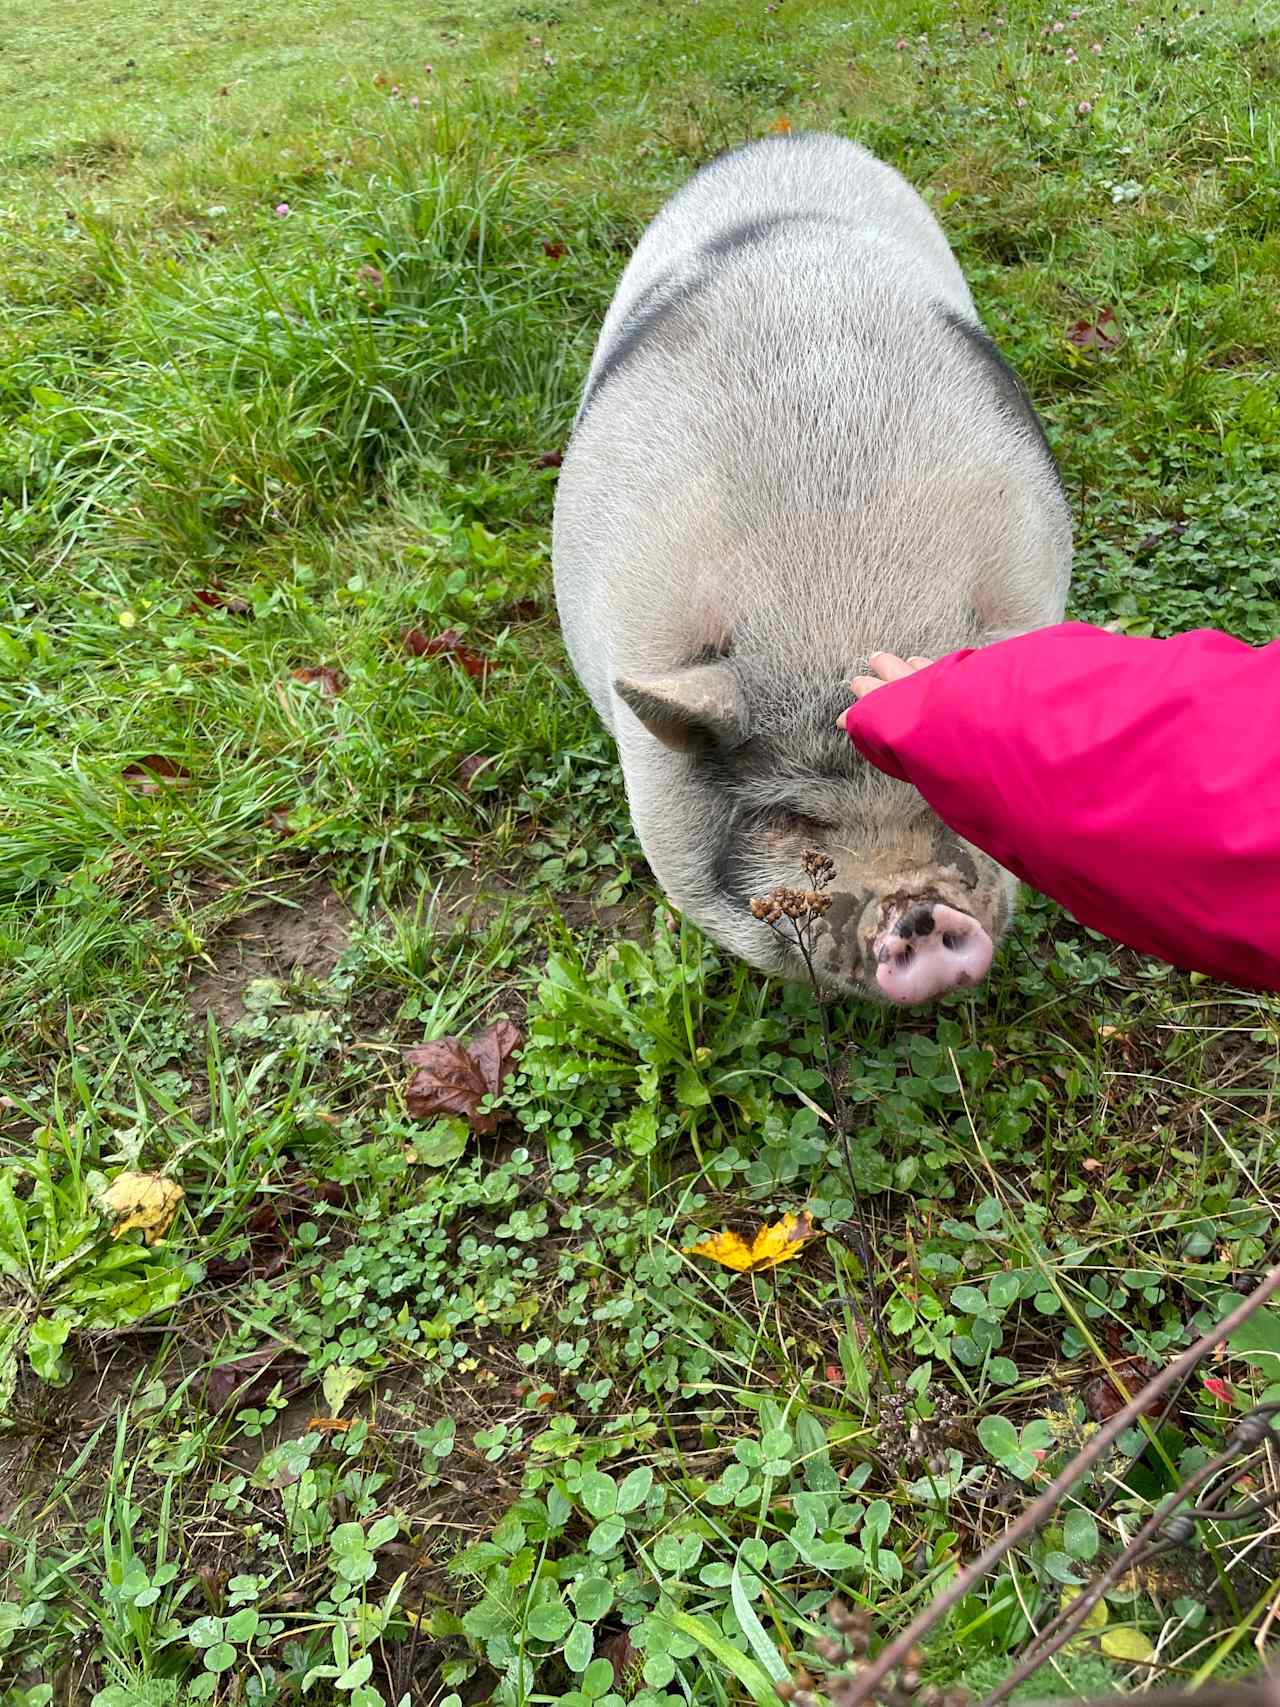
point(885, 667)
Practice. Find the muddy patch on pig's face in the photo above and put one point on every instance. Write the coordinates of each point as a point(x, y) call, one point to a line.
point(883, 894)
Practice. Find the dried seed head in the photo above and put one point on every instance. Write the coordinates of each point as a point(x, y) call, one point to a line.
point(833, 1652)
point(818, 867)
point(785, 1690)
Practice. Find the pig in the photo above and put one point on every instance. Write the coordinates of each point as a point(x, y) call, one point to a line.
point(796, 446)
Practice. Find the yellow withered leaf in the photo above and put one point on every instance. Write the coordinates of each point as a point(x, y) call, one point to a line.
point(1126, 1643)
point(771, 1245)
point(148, 1201)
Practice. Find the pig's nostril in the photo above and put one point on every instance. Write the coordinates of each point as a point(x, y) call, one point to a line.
point(932, 949)
point(917, 923)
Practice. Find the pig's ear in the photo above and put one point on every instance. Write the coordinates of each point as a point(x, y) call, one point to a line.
point(691, 708)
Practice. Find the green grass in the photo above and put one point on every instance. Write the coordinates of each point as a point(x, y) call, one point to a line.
point(395, 1412)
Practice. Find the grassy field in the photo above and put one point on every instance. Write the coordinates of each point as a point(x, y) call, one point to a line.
point(294, 777)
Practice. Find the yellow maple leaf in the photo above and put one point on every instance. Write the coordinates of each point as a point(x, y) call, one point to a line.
point(771, 1245)
point(148, 1201)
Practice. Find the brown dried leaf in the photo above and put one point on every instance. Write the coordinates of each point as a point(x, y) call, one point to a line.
point(550, 459)
point(249, 1379)
point(141, 775)
point(1103, 1398)
point(626, 1661)
point(213, 598)
point(270, 1229)
point(1153, 541)
point(453, 1077)
point(448, 643)
point(330, 681)
point(1101, 334)
point(470, 767)
point(522, 610)
point(553, 249)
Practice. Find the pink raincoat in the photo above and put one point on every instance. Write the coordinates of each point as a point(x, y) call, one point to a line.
point(1136, 782)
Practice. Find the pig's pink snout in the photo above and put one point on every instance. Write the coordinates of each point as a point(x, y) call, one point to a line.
point(929, 950)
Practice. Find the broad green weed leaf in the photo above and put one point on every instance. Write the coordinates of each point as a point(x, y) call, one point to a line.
point(747, 1671)
point(761, 1645)
point(579, 1647)
point(606, 1536)
point(599, 1493)
point(549, 1622)
point(634, 1490)
point(1080, 1534)
point(593, 1598)
point(998, 1437)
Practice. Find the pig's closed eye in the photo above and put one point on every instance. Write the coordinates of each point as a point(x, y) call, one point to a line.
point(793, 823)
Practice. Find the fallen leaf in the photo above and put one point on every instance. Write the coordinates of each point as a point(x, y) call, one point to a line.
point(1092, 1165)
point(250, 1378)
point(448, 643)
point(522, 610)
point(148, 1201)
point(215, 599)
point(1101, 334)
point(270, 1227)
point(1153, 541)
point(1095, 1618)
point(553, 249)
point(1215, 1385)
point(1102, 1398)
point(470, 767)
point(626, 1661)
point(141, 774)
point(330, 682)
point(772, 1244)
point(1126, 1643)
point(453, 1077)
point(781, 126)
point(550, 459)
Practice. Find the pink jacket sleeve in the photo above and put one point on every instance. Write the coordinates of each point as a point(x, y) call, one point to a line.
point(1137, 782)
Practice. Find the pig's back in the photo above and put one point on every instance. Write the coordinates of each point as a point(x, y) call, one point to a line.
point(795, 441)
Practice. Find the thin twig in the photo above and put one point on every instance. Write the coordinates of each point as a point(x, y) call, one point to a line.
point(801, 909)
point(874, 1674)
point(1059, 1631)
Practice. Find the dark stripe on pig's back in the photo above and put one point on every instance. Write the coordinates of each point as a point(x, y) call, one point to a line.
point(678, 288)
point(1011, 395)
